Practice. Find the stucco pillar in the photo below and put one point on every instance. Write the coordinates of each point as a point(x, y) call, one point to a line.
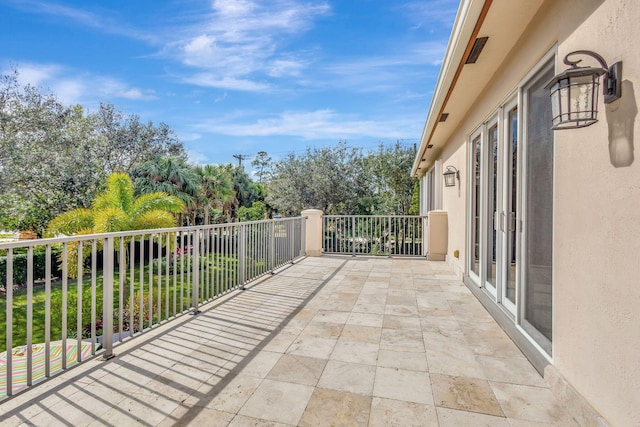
point(437, 235)
point(313, 237)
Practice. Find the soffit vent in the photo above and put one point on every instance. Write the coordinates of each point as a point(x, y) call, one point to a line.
point(443, 117)
point(476, 50)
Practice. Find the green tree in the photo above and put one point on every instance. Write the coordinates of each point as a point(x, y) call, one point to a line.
point(171, 175)
point(256, 212)
point(54, 158)
point(390, 168)
point(262, 163)
point(116, 209)
point(330, 178)
point(216, 188)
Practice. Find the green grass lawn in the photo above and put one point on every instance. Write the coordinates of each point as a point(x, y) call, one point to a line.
point(222, 277)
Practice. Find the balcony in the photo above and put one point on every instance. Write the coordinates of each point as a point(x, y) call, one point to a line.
point(321, 341)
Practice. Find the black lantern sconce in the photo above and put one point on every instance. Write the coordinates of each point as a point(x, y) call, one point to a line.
point(574, 93)
point(450, 176)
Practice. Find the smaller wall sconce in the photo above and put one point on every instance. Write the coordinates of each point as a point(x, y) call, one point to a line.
point(574, 92)
point(450, 176)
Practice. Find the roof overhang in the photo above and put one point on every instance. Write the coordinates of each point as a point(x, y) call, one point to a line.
point(459, 83)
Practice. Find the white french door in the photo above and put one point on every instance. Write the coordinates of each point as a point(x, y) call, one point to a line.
point(493, 201)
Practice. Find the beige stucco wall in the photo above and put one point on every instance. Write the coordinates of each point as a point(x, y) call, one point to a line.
point(596, 205)
point(597, 230)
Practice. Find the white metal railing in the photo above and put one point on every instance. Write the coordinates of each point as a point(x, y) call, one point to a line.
point(373, 234)
point(68, 299)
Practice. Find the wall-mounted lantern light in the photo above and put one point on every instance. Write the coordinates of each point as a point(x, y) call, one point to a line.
point(450, 176)
point(574, 92)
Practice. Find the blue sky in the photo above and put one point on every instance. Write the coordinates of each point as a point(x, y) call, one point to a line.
point(239, 76)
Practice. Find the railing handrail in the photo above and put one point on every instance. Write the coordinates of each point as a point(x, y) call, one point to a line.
point(374, 216)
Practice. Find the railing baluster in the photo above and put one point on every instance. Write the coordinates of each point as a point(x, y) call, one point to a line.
point(9, 325)
point(94, 284)
point(65, 278)
point(107, 299)
point(131, 285)
point(122, 274)
point(78, 305)
point(47, 312)
point(196, 271)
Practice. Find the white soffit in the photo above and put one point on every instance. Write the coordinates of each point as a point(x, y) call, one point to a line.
point(459, 84)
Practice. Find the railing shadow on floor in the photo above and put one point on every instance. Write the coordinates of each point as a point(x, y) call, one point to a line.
point(107, 381)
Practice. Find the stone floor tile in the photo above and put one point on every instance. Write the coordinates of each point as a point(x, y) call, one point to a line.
point(243, 421)
point(336, 408)
point(312, 347)
point(149, 409)
point(362, 307)
point(465, 394)
point(529, 403)
point(280, 342)
point(298, 369)
point(400, 384)
point(323, 330)
point(196, 415)
point(332, 316)
point(454, 418)
point(366, 319)
point(367, 334)
point(351, 377)
point(260, 364)
point(412, 361)
point(388, 412)
point(355, 352)
point(401, 322)
point(401, 340)
point(401, 310)
point(229, 394)
point(278, 401)
point(513, 370)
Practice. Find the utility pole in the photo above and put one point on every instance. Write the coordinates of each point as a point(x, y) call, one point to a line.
point(240, 158)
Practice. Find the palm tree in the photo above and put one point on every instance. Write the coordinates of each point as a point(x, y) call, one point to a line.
point(216, 188)
point(115, 209)
point(171, 175)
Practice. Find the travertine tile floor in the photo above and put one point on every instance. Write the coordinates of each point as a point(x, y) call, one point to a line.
point(328, 341)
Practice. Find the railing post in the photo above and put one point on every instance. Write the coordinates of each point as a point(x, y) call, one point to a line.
point(195, 265)
point(272, 246)
point(107, 299)
point(390, 234)
point(353, 235)
point(242, 255)
point(303, 235)
point(292, 240)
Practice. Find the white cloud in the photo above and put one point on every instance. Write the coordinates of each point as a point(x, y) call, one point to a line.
point(78, 87)
point(319, 124)
point(225, 82)
point(238, 40)
point(100, 20)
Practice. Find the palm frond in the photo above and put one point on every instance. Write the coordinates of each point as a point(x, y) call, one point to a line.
point(119, 193)
point(110, 219)
point(156, 201)
point(153, 219)
point(70, 223)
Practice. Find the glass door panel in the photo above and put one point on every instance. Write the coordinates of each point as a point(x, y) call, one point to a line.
point(512, 200)
point(492, 208)
point(538, 210)
point(475, 206)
